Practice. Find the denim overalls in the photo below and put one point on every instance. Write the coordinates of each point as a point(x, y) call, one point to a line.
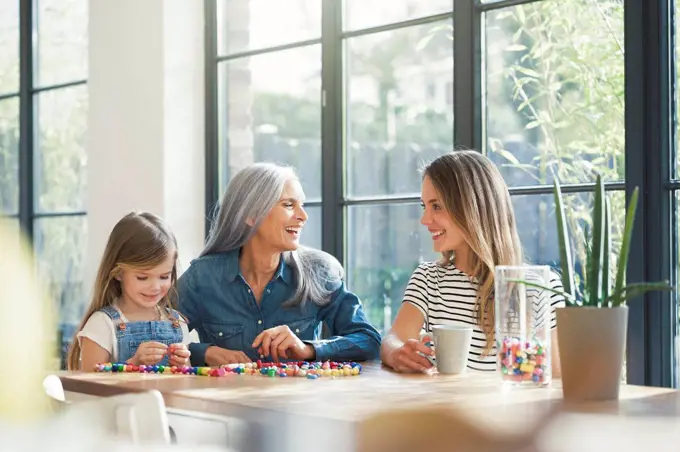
point(130, 335)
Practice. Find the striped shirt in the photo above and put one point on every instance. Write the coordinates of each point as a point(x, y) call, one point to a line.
point(446, 295)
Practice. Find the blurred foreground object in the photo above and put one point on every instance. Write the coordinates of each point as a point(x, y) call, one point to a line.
point(27, 331)
point(441, 430)
point(563, 429)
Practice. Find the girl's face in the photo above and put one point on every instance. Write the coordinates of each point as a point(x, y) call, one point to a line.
point(283, 225)
point(145, 288)
point(446, 234)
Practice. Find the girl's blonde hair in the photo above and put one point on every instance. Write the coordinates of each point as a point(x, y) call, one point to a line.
point(477, 198)
point(139, 241)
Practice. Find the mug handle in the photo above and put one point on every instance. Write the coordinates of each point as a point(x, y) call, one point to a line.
point(428, 340)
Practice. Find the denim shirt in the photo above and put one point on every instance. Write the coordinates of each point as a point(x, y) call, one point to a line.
point(221, 307)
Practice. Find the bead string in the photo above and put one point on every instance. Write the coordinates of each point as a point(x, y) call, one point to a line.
point(311, 370)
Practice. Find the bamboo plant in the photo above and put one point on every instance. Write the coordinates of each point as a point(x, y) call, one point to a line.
point(598, 291)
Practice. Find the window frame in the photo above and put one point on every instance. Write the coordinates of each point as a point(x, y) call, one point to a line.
point(28, 123)
point(649, 124)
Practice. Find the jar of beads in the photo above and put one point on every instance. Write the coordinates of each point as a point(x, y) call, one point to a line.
point(522, 324)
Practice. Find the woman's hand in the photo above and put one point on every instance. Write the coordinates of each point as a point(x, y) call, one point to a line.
point(149, 353)
point(178, 355)
point(218, 356)
point(406, 356)
point(400, 349)
point(280, 342)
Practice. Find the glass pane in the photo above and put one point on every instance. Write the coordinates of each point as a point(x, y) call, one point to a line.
point(311, 234)
point(9, 46)
point(60, 244)
point(61, 43)
point(60, 159)
point(555, 91)
point(385, 243)
point(400, 106)
point(256, 24)
point(535, 217)
point(9, 156)
point(372, 13)
point(270, 110)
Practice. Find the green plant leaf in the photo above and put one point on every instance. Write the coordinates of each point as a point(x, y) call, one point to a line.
point(424, 42)
point(527, 71)
point(566, 263)
point(606, 256)
point(567, 297)
point(596, 259)
point(634, 290)
point(625, 242)
point(507, 155)
point(521, 17)
point(588, 250)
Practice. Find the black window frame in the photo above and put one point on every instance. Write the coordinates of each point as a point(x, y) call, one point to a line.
point(27, 214)
point(28, 123)
point(650, 123)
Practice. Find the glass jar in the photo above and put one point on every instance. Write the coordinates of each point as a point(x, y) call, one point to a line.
point(523, 318)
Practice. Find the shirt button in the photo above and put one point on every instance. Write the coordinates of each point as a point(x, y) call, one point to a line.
point(259, 322)
point(250, 291)
point(219, 334)
point(297, 330)
point(261, 356)
point(268, 290)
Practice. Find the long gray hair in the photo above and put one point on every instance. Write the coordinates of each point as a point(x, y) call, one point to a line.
point(251, 194)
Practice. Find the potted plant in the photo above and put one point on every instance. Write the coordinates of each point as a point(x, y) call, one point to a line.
point(591, 328)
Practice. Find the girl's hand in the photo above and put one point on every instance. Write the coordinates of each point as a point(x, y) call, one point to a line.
point(178, 355)
point(149, 353)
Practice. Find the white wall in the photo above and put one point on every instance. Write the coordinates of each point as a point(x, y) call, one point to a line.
point(146, 118)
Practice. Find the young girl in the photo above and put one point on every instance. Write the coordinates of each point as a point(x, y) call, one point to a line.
point(468, 211)
point(131, 318)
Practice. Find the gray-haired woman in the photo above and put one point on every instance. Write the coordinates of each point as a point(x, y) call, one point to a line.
point(255, 293)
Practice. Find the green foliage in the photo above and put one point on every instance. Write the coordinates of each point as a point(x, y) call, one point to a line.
point(381, 291)
point(596, 293)
point(564, 70)
point(596, 290)
point(555, 78)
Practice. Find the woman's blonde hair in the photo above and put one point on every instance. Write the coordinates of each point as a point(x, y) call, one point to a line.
point(139, 241)
point(475, 195)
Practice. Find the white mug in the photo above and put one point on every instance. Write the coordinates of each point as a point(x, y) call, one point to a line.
point(451, 347)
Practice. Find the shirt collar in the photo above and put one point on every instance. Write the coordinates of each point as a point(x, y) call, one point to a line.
point(284, 271)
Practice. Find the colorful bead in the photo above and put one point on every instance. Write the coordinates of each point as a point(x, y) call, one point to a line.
point(304, 369)
point(522, 361)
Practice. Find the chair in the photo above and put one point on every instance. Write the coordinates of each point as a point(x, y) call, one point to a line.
point(54, 389)
point(138, 418)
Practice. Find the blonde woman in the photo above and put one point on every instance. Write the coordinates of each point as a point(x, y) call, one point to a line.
point(468, 211)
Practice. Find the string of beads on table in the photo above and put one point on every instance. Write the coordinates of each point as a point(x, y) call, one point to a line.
point(310, 370)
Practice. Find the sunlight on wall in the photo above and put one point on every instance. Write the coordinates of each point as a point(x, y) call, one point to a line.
point(27, 331)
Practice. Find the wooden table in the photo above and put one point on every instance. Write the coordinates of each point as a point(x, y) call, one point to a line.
point(334, 406)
